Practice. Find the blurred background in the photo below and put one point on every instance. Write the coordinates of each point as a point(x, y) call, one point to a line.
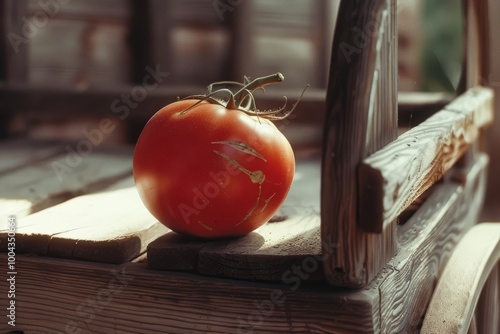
point(66, 64)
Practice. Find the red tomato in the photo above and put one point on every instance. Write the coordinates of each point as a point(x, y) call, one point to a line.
point(209, 171)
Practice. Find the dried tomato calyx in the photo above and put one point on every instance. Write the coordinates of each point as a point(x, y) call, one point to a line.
point(243, 99)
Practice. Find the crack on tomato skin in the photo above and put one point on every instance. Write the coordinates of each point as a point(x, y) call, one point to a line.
point(256, 176)
point(256, 204)
point(266, 202)
point(242, 147)
point(205, 225)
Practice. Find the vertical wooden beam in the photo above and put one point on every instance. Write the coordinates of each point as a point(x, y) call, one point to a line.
point(15, 42)
point(239, 24)
point(13, 51)
point(161, 21)
point(361, 117)
point(139, 39)
point(476, 61)
point(476, 57)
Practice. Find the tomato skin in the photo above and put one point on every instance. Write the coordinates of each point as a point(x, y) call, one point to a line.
point(212, 172)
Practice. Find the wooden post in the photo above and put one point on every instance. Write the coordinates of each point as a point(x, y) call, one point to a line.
point(361, 117)
point(475, 64)
point(13, 52)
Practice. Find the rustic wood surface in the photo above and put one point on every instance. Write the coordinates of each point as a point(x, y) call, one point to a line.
point(393, 177)
point(61, 295)
point(16, 154)
point(459, 287)
point(54, 179)
point(109, 226)
point(58, 295)
point(426, 242)
point(361, 117)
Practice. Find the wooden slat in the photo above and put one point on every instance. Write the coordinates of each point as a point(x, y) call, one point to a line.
point(392, 178)
point(47, 182)
point(130, 298)
point(361, 117)
point(15, 154)
point(268, 254)
point(111, 226)
point(292, 237)
point(16, 37)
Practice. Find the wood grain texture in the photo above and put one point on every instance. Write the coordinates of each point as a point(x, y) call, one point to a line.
point(460, 285)
point(270, 253)
point(361, 117)
point(61, 295)
point(58, 295)
point(393, 177)
point(108, 226)
point(426, 242)
point(15, 154)
point(44, 183)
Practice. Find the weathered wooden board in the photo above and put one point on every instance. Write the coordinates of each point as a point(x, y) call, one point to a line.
point(15, 154)
point(111, 226)
point(42, 183)
point(361, 118)
point(393, 177)
point(61, 295)
point(292, 237)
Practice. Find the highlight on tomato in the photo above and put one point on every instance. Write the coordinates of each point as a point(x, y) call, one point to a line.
point(213, 165)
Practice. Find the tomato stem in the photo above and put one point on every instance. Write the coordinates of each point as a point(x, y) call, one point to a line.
point(257, 83)
point(243, 100)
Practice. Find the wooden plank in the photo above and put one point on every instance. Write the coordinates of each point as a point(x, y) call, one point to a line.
point(426, 242)
point(392, 178)
point(361, 118)
point(16, 37)
point(60, 100)
point(112, 225)
point(61, 295)
point(292, 238)
point(48, 182)
point(15, 154)
point(269, 253)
